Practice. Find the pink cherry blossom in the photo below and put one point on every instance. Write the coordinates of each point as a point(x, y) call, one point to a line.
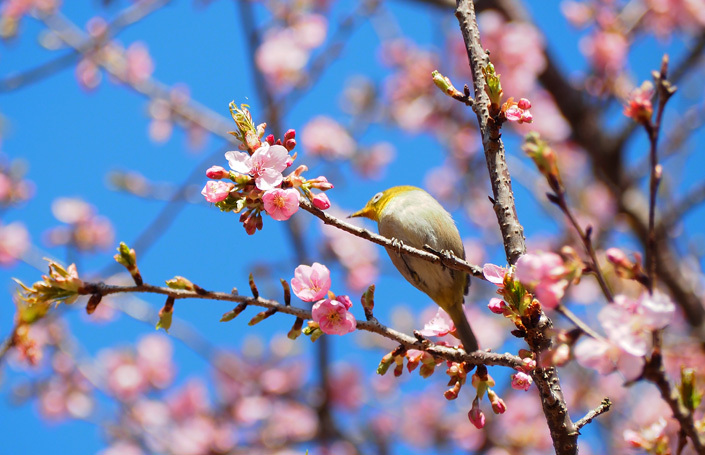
point(521, 381)
point(333, 316)
point(281, 204)
point(265, 165)
point(494, 274)
point(321, 201)
point(440, 325)
point(514, 113)
point(543, 274)
point(606, 357)
point(217, 191)
point(311, 283)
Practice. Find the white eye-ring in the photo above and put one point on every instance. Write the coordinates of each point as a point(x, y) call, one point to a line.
point(376, 197)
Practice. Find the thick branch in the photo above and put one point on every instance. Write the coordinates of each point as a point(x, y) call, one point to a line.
point(563, 431)
point(503, 197)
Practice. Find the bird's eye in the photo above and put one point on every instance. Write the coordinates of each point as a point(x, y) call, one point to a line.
point(377, 197)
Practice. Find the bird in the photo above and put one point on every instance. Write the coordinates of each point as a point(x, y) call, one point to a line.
point(410, 215)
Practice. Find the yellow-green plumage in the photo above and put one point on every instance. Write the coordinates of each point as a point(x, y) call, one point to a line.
point(415, 218)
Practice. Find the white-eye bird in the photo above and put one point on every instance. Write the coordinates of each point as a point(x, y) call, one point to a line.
point(412, 216)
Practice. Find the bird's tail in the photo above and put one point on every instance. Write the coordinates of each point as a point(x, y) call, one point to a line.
point(463, 329)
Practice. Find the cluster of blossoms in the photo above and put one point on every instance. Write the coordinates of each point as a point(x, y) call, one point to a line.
point(330, 312)
point(518, 111)
point(628, 324)
point(255, 182)
point(541, 277)
point(285, 51)
point(85, 230)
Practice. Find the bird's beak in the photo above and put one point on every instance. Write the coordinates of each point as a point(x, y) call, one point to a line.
point(366, 212)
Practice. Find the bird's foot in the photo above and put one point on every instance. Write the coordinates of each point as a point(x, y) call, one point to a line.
point(397, 245)
point(446, 256)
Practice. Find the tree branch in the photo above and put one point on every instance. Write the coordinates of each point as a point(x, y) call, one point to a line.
point(409, 342)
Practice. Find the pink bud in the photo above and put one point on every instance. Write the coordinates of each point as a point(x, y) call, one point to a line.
point(216, 172)
point(498, 406)
point(616, 256)
point(497, 306)
point(321, 201)
point(290, 134)
point(270, 139)
point(321, 183)
point(290, 144)
point(476, 416)
point(524, 104)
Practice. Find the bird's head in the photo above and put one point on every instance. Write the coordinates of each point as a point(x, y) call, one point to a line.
point(375, 206)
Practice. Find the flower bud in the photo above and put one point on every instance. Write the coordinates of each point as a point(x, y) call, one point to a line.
point(217, 172)
point(321, 201)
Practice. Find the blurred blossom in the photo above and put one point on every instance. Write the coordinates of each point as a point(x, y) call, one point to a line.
point(372, 161)
point(345, 387)
point(289, 422)
point(154, 357)
point(14, 241)
point(13, 188)
point(666, 17)
point(578, 13)
point(139, 65)
point(324, 137)
point(409, 91)
point(189, 401)
point(122, 448)
point(517, 52)
point(442, 182)
point(606, 50)
point(87, 74)
point(87, 231)
point(310, 30)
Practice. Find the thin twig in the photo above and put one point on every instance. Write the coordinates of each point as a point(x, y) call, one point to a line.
point(408, 341)
point(579, 323)
point(601, 409)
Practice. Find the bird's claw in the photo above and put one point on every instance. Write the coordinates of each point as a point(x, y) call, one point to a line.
point(397, 244)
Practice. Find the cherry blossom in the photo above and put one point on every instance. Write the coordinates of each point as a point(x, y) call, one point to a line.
point(333, 317)
point(521, 381)
point(216, 191)
point(281, 204)
point(266, 164)
point(439, 326)
point(311, 283)
point(544, 273)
